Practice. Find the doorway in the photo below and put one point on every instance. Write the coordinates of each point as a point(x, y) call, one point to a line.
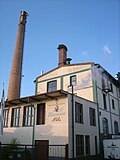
point(41, 149)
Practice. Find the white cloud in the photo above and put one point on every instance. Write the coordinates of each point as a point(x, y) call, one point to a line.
point(85, 53)
point(106, 49)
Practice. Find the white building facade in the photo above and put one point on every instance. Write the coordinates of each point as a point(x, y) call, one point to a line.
point(49, 117)
point(74, 104)
point(90, 81)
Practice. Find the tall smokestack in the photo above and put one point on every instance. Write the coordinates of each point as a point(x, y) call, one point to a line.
point(16, 70)
point(62, 55)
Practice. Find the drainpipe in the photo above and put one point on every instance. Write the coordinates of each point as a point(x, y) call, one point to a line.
point(33, 134)
point(98, 117)
point(73, 155)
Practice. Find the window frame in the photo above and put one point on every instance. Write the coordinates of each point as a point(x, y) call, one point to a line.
point(96, 145)
point(105, 127)
point(113, 104)
point(6, 117)
point(92, 115)
point(15, 117)
point(79, 145)
point(28, 115)
point(73, 80)
point(116, 128)
point(104, 101)
point(87, 144)
point(40, 112)
point(52, 86)
point(111, 87)
point(78, 112)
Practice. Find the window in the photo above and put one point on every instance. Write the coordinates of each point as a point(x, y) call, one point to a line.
point(87, 144)
point(15, 119)
point(6, 112)
point(116, 130)
point(79, 145)
point(40, 114)
point(52, 86)
point(113, 104)
point(111, 87)
point(28, 116)
point(104, 101)
point(78, 113)
point(73, 80)
point(92, 116)
point(96, 151)
point(105, 126)
point(119, 93)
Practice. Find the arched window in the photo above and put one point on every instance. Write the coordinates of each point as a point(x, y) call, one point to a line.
point(116, 130)
point(105, 126)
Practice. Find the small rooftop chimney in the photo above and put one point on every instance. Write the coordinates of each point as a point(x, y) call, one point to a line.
point(62, 55)
point(68, 60)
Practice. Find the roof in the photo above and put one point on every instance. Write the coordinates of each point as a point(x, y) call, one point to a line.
point(36, 98)
point(86, 63)
point(67, 65)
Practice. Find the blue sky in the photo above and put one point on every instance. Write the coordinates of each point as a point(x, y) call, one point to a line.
point(89, 28)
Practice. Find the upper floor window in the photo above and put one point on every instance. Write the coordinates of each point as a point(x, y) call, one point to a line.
point(78, 113)
point(40, 114)
point(111, 87)
point(113, 104)
point(15, 119)
point(92, 116)
point(119, 93)
point(52, 86)
point(104, 101)
point(73, 80)
point(6, 112)
point(28, 116)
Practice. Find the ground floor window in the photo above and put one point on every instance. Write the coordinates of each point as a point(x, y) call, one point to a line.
point(105, 127)
point(28, 115)
point(79, 145)
point(96, 145)
point(40, 114)
point(15, 119)
point(87, 144)
point(116, 130)
point(5, 113)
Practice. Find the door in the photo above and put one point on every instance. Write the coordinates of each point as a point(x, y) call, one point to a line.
point(41, 149)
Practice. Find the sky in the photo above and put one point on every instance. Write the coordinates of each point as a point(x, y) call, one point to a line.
point(89, 28)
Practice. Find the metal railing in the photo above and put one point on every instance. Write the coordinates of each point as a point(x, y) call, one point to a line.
point(29, 152)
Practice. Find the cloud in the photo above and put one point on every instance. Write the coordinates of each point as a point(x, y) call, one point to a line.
point(85, 53)
point(106, 49)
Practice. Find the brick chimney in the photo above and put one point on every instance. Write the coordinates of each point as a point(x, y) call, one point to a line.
point(62, 55)
point(16, 70)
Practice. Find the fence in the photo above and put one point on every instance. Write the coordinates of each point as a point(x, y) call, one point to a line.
point(31, 152)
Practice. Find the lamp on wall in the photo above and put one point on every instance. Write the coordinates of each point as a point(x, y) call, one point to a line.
point(106, 89)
